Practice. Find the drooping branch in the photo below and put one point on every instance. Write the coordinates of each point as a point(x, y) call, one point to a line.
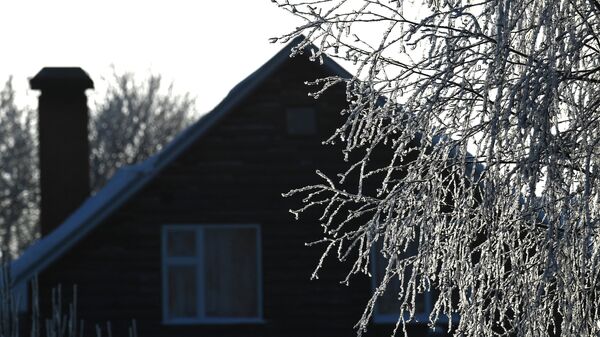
point(486, 113)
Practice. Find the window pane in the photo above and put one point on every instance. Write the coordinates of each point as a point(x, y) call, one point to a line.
point(388, 303)
point(231, 280)
point(181, 243)
point(182, 291)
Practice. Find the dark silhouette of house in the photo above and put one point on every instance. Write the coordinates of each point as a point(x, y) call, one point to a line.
point(197, 240)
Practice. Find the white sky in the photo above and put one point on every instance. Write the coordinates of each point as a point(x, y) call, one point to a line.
point(204, 47)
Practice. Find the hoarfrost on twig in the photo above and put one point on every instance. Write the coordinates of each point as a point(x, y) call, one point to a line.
point(488, 113)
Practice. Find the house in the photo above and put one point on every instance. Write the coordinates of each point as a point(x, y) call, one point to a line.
point(197, 240)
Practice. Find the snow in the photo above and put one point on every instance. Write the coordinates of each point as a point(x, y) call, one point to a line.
point(93, 211)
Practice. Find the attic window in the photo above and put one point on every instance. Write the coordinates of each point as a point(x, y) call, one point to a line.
point(211, 274)
point(301, 121)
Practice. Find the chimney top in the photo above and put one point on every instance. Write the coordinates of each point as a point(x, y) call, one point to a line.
point(61, 78)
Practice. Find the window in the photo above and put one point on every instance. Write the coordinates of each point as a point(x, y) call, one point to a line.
point(387, 307)
point(301, 121)
point(211, 274)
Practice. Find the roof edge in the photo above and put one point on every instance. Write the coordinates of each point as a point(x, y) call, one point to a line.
point(130, 179)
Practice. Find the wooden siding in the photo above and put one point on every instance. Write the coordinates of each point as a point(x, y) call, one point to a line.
point(234, 174)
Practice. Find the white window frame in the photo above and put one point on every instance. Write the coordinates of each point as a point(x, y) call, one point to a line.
point(199, 261)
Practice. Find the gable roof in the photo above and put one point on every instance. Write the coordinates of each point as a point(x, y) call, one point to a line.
point(130, 179)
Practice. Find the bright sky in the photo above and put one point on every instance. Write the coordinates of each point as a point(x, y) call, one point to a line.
point(204, 47)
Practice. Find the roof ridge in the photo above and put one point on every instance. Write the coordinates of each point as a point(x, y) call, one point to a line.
point(131, 178)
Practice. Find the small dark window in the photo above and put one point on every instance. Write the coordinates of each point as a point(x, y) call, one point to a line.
point(301, 121)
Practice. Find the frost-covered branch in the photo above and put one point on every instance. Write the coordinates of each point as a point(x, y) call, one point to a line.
point(485, 115)
point(132, 120)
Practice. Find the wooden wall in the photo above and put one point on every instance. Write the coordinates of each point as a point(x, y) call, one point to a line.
point(234, 174)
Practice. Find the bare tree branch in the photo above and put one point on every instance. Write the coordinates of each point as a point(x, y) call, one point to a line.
point(500, 192)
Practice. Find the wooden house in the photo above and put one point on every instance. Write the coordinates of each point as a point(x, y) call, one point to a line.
point(197, 240)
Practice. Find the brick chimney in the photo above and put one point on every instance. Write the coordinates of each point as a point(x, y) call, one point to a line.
point(63, 142)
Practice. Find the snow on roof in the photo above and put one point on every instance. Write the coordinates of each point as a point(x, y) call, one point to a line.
point(130, 179)
point(119, 188)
